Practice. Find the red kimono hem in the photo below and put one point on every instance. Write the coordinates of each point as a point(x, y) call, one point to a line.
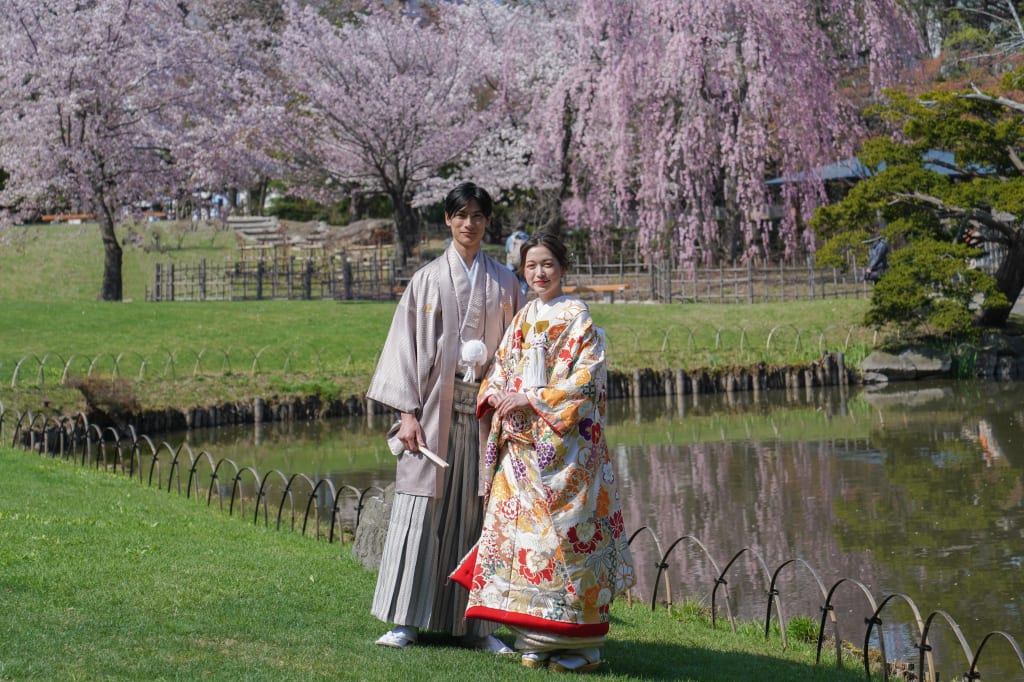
point(525, 622)
point(463, 575)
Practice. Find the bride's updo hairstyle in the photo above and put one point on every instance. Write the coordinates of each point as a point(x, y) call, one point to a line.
point(552, 242)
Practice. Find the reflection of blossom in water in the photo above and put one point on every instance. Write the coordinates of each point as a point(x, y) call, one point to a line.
point(732, 495)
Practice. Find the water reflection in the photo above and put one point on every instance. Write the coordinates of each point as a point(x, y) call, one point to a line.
point(915, 489)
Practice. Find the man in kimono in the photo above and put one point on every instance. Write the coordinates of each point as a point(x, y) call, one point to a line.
point(448, 324)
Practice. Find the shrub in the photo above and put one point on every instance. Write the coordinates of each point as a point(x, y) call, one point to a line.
point(930, 287)
point(107, 400)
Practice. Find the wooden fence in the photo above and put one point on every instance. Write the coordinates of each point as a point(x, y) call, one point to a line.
point(291, 277)
point(750, 283)
point(375, 277)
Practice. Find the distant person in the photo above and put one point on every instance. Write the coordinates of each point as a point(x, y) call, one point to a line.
point(513, 247)
point(449, 321)
point(553, 553)
point(878, 260)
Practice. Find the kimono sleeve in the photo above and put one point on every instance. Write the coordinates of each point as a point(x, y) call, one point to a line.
point(402, 378)
point(497, 378)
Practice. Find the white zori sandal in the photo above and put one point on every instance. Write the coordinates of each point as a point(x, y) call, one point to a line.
point(399, 638)
point(576, 661)
point(489, 643)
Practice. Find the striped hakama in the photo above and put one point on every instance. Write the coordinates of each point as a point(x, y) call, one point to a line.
point(428, 537)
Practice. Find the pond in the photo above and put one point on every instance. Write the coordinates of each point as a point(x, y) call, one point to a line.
point(913, 488)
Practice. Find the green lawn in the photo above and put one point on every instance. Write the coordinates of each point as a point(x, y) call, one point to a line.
point(104, 578)
point(187, 353)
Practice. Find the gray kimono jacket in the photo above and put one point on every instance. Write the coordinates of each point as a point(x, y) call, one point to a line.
point(417, 366)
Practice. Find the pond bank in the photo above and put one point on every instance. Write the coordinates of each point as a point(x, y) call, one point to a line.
point(992, 357)
point(830, 370)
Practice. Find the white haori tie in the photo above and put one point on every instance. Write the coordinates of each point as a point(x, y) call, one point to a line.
point(473, 353)
point(535, 373)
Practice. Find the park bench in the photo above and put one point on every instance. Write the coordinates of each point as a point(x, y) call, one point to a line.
point(607, 291)
point(70, 218)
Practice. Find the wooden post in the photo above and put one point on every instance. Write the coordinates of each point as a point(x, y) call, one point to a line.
point(782, 278)
point(158, 284)
point(259, 280)
point(668, 278)
point(346, 274)
point(750, 282)
point(202, 279)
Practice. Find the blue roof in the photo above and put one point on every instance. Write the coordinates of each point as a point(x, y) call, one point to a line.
point(853, 169)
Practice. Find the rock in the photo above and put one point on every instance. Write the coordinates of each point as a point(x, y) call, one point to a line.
point(914, 363)
point(368, 546)
point(874, 378)
point(1006, 368)
point(985, 364)
point(915, 397)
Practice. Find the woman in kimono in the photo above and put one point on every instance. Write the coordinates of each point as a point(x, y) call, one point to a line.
point(553, 553)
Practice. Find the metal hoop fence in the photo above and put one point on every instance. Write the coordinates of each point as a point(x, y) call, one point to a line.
point(323, 507)
point(55, 368)
point(675, 346)
point(774, 608)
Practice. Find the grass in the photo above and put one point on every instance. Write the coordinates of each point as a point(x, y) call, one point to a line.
point(180, 354)
point(103, 578)
point(65, 262)
point(186, 353)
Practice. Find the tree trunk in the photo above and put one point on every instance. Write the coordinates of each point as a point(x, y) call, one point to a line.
point(1009, 280)
point(111, 290)
point(258, 197)
point(407, 226)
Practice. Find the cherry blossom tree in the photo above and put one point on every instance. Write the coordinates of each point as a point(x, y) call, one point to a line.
point(391, 100)
point(531, 47)
point(674, 112)
point(112, 102)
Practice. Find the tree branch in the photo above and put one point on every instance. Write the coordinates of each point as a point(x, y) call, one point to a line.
point(1003, 101)
point(980, 216)
point(1015, 159)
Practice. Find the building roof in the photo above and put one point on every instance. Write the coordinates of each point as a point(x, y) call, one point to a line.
point(853, 169)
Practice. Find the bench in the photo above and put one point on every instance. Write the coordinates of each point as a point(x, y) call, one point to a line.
point(70, 218)
point(607, 291)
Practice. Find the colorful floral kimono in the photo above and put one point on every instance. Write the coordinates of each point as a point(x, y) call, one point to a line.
point(553, 553)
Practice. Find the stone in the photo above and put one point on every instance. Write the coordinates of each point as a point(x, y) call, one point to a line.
point(985, 364)
point(368, 546)
point(880, 397)
point(914, 363)
point(874, 378)
point(1006, 368)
